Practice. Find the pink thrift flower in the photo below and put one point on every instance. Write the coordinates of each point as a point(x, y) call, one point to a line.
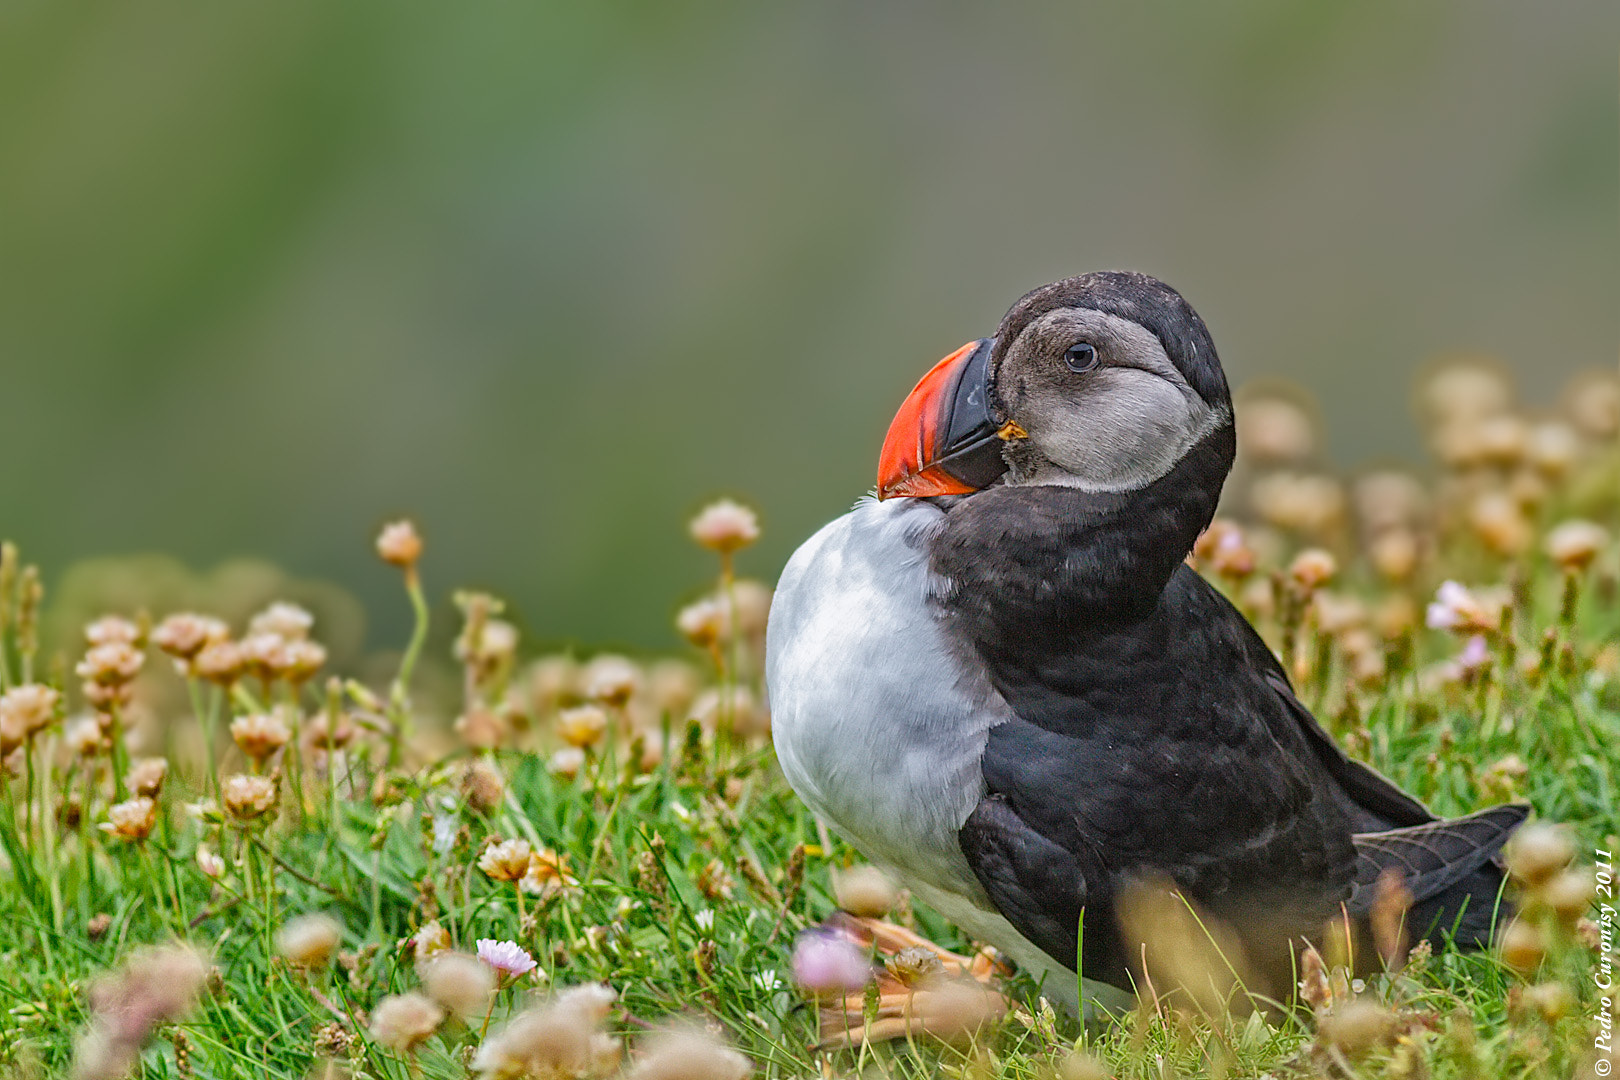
point(1475, 654)
point(507, 957)
point(826, 962)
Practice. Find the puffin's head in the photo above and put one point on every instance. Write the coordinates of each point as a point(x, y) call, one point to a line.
point(1102, 382)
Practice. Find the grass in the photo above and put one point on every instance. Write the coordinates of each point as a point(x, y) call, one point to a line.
point(678, 868)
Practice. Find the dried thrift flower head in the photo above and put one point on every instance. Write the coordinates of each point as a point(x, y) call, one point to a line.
point(865, 891)
point(300, 661)
point(672, 685)
point(828, 963)
point(111, 628)
point(704, 622)
point(146, 776)
point(687, 1054)
point(1308, 504)
point(402, 1022)
point(247, 797)
point(1466, 389)
point(551, 679)
point(1537, 851)
point(111, 664)
point(1390, 499)
point(480, 728)
point(1457, 609)
point(155, 986)
point(209, 863)
point(483, 785)
point(84, 737)
point(1523, 946)
point(547, 874)
point(1499, 521)
point(752, 600)
point(1394, 553)
point(399, 544)
point(507, 860)
point(430, 940)
point(507, 957)
point(184, 635)
point(132, 819)
point(582, 726)
point(1275, 430)
point(566, 762)
point(612, 680)
point(959, 1010)
point(1592, 401)
point(560, 1039)
point(220, 662)
point(748, 717)
point(1313, 568)
point(460, 983)
point(259, 735)
point(725, 526)
point(289, 622)
point(1574, 544)
point(496, 645)
point(26, 709)
point(309, 941)
point(1357, 1026)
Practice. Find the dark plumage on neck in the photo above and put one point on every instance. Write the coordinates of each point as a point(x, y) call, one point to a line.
point(1030, 568)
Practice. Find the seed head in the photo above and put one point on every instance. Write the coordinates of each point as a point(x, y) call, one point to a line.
point(582, 726)
point(403, 1021)
point(505, 861)
point(309, 941)
point(184, 635)
point(1574, 544)
point(507, 957)
point(460, 983)
point(111, 628)
point(132, 819)
point(725, 526)
point(865, 891)
point(259, 735)
point(247, 797)
point(399, 544)
point(146, 776)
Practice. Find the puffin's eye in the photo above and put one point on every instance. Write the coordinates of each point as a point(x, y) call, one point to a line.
point(1080, 357)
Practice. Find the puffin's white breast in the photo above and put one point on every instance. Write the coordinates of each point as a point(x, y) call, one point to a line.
point(878, 725)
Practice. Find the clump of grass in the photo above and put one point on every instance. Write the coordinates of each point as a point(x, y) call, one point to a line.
point(591, 867)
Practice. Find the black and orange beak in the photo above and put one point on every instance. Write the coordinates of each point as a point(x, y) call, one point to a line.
point(944, 440)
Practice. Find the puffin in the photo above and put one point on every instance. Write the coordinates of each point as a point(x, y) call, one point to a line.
point(998, 677)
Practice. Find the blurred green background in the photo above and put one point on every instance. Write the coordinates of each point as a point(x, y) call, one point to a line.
point(547, 276)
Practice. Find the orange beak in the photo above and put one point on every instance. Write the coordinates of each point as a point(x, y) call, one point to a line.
point(944, 440)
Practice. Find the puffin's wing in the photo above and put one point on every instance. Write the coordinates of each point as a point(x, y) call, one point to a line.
point(1036, 884)
point(1372, 800)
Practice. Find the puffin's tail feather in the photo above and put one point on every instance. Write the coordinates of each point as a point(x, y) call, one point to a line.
point(1452, 869)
